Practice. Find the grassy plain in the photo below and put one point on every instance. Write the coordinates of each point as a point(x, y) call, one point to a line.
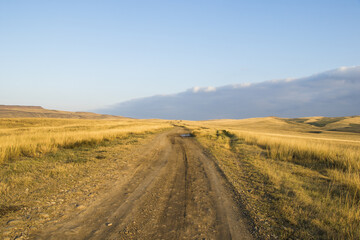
point(41, 157)
point(34, 137)
point(299, 178)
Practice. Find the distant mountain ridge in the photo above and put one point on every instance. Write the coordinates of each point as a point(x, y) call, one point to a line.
point(331, 94)
point(16, 111)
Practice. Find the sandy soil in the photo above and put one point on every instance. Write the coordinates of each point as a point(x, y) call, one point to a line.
point(173, 192)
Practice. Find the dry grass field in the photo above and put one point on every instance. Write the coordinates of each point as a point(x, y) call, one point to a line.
point(34, 137)
point(296, 178)
point(299, 178)
point(39, 157)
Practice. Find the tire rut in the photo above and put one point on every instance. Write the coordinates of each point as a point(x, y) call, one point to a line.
point(176, 192)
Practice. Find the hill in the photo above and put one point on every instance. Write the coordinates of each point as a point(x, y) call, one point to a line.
point(14, 111)
point(298, 178)
point(338, 124)
point(320, 127)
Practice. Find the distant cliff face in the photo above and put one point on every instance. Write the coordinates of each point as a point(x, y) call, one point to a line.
point(332, 93)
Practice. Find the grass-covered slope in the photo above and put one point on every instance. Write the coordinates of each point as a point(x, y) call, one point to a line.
point(298, 180)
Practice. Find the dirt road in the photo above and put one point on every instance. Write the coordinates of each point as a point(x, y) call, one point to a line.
point(175, 192)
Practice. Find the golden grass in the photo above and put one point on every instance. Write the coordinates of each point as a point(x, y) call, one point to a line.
point(313, 174)
point(34, 137)
point(298, 180)
point(336, 153)
point(42, 159)
point(35, 190)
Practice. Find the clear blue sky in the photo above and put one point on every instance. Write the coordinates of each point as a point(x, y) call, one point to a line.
point(82, 55)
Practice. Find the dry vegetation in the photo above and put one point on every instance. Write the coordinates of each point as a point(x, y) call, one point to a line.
point(44, 160)
point(299, 178)
point(34, 137)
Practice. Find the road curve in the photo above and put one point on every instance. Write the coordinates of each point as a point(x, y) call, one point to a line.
point(175, 193)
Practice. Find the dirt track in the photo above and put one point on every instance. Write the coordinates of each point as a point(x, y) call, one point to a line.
point(174, 192)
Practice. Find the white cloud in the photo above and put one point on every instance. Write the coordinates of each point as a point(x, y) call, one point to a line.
point(204, 89)
point(290, 79)
point(332, 93)
point(343, 69)
point(196, 89)
point(210, 89)
point(241, 85)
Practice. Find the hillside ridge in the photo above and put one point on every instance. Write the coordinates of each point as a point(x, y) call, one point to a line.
point(18, 111)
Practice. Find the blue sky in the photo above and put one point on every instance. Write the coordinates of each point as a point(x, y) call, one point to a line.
point(82, 55)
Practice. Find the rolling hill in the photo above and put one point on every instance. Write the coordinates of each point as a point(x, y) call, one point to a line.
point(13, 111)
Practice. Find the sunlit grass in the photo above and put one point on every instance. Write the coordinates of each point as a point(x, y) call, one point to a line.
point(34, 137)
point(41, 159)
point(313, 173)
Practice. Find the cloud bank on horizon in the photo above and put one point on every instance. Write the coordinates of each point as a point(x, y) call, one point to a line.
point(331, 93)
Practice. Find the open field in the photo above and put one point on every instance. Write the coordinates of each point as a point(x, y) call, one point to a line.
point(299, 177)
point(129, 184)
point(34, 137)
point(174, 192)
point(275, 178)
point(49, 166)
